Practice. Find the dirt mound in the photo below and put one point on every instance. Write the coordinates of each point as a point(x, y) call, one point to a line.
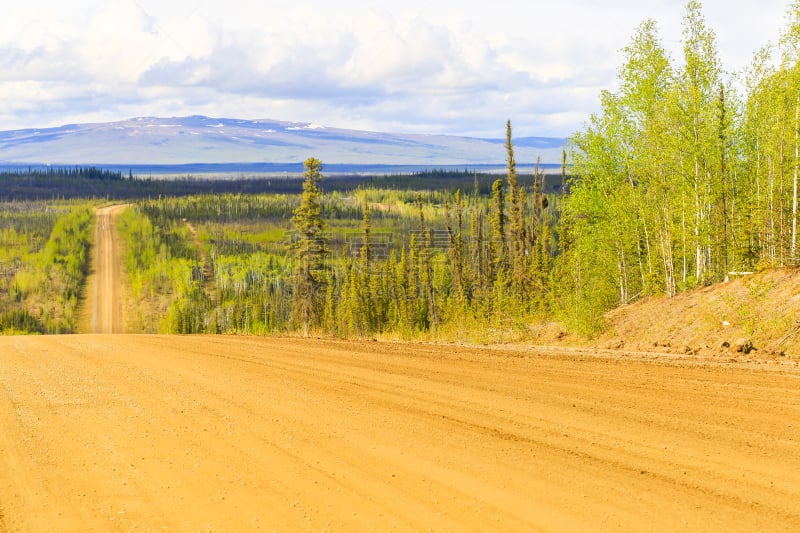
point(754, 316)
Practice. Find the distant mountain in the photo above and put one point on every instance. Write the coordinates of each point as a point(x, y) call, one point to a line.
point(198, 139)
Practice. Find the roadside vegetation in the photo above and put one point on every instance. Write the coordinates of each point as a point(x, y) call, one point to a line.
point(683, 178)
point(44, 254)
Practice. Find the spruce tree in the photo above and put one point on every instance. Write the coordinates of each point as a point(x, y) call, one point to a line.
point(516, 222)
point(428, 314)
point(310, 252)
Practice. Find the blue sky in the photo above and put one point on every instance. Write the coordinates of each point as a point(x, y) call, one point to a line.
point(420, 66)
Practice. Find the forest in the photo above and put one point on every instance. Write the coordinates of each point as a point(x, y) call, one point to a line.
point(368, 261)
point(687, 175)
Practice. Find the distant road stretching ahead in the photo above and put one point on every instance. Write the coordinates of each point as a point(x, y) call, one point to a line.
point(201, 433)
point(106, 303)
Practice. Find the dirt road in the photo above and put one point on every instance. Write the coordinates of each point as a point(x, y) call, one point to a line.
point(122, 433)
point(103, 299)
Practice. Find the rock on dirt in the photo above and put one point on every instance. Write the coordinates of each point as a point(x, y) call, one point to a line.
point(744, 346)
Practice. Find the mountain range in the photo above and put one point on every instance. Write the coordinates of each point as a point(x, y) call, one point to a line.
point(199, 139)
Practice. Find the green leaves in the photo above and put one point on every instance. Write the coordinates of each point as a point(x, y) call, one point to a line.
point(648, 210)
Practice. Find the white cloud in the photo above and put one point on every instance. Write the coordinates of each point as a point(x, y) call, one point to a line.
point(418, 66)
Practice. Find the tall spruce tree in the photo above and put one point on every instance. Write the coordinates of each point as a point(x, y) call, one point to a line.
point(310, 252)
point(517, 249)
point(366, 277)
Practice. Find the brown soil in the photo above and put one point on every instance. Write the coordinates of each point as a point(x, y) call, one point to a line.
point(760, 310)
point(237, 434)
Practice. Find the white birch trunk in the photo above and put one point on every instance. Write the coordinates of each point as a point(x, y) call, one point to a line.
point(794, 182)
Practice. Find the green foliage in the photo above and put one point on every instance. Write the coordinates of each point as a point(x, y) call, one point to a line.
point(19, 321)
point(649, 206)
point(407, 272)
point(678, 181)
point(44, 254)
point(161, 265)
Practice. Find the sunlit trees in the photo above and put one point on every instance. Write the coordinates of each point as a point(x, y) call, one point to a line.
point(619, 217)
point(678, 181)
point(652, 203)
point(44, 260)
point(772, 148)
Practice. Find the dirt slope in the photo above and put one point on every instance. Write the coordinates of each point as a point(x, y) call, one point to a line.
point(762, 309)
point(121, 433)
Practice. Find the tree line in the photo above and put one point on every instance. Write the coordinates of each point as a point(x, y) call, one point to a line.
point(60, 183)
point(684, 178)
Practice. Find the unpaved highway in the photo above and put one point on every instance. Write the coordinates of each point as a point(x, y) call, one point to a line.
point(152, 433)
point(103, 300)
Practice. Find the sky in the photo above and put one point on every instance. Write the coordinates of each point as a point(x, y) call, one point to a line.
point(414, 66)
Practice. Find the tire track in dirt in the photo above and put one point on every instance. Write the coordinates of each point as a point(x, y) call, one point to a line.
point(238, 433)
